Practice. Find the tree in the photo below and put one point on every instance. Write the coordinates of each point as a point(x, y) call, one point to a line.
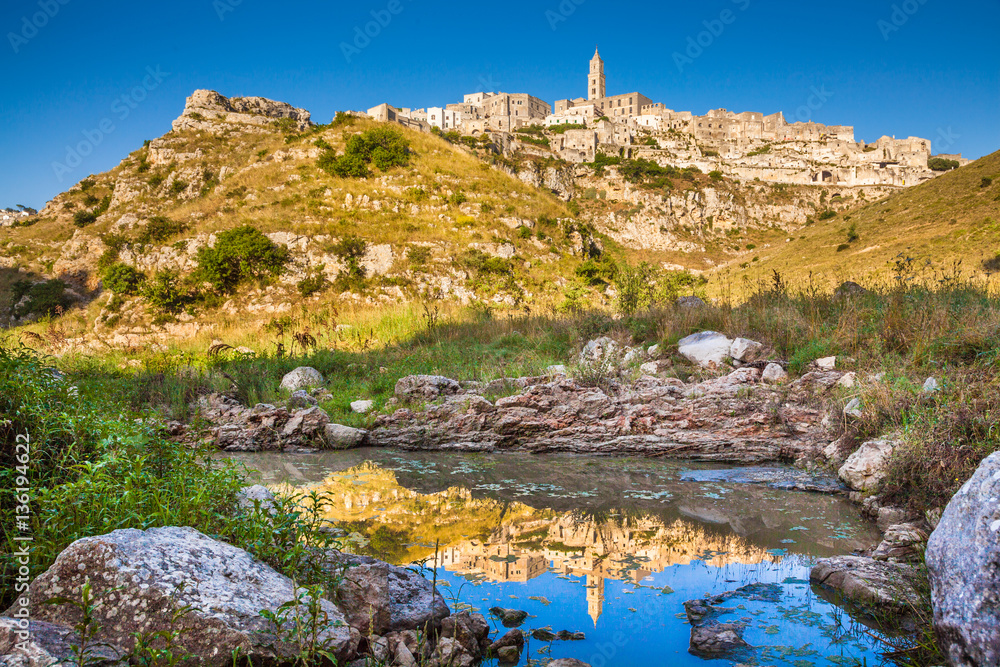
point(241, 254)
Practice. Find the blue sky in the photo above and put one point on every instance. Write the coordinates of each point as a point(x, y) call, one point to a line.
point(111, 74)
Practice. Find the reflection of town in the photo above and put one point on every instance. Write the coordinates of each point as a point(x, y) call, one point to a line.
point(512, 542)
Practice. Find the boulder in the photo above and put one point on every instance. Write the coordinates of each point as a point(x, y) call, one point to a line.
point(508, 656)
point(362, 407)
point(902, 542)
point(512, 638)
point(402, 600)
point(853, 408)
point(848, 380)
point(250, 497)
point(599, 350)
point(142, 579)
point(708, 349)
point(655, 367)
point(451, 653)
point(891, 589)
point(865, 469)
point(963, 563)
point(338, 436)
point(718, 640)
point(746, 350)
point(301, 398)
point(558, 369)
point(303, 377)
point(849, 289)
point(653, 350)
point(31, 643)
point(774, 374)
point(470, 630)
point(425, 387)
point(826, 363)
point(510, 618)
point(690, 302)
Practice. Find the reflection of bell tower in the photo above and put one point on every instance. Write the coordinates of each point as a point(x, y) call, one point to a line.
point(595, 80)
point(595, 596)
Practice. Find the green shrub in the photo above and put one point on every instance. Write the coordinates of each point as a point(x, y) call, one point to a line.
point(418, 256)
point(239, 255)
point(166, 294)
point(178, 186)
point(715, 175)
point(44, 298)
point(351, 250)
point(986, 182)
point(827, 214)
point(156, 180)
point(941, 164)
point(599, 271)
point(457, 198)
point(312, 284)
point(382, 147)
point(159, 229)
point(123, 279)
point(343, 166)
point(83, 218)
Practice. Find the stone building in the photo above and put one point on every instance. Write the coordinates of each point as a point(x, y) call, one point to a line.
point(619, 108)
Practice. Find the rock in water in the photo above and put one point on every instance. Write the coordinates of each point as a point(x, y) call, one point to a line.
point(718, 640)
point(338, 436)
point(302, 377)
point(510, 618)
point(48, 644)
point(707, 348)
point(963, 561)
point(141, 579)
point(891, 589)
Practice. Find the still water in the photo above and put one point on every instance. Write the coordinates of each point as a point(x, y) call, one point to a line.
point(608, 547)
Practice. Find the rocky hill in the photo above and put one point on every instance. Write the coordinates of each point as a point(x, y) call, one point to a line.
point(497, 220)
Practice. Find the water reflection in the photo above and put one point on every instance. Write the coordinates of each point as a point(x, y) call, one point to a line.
point(612, 547)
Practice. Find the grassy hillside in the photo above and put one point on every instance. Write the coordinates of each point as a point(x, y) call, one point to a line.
point(928, 228)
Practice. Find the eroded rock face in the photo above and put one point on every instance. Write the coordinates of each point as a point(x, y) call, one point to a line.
point(963, 562)
point(48, 644)
point(210, 111)
point(425, 387)
point(730, 418)
point(142, 578)
point(263, 427)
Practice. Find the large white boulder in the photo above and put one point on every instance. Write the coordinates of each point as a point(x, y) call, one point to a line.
point(865, 469)
point(303, 377)
point(708, 349)
point(142, 579)
point(774, 374)
point(963, 563)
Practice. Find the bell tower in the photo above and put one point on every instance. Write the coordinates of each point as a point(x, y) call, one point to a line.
point(595, 80)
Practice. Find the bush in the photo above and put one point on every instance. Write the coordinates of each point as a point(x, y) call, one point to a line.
point(123, 279)
point(986, 182)
point(83, 218)
point(383, 147)
point(178, 186)
point(941, 164)
point(43, 298)
point(599, 271)
point(827, 214)
point(351, 250)
point(166, 294)
point(418, 256)
point(241, 254)
point(159, 229)
point(715, 175)
point(312, 284)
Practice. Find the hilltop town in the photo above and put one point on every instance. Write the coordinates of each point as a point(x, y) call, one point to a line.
point(743, 146)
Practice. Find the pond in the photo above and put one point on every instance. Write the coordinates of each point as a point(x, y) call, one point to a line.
point(608, 547)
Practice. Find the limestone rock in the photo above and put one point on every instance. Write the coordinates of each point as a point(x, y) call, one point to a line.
point(865, 469)
point(338, 436)
point(877, 585)
point(47, 644)
point(362, 407)
point(707, 348)
point(471, 631)
point(931, 385)
point(300, 398)
point(718, 640)
point(142, 578)
point(963, 562)
point(826, 363)
point(853, 408)
point(599, 350)
point(774, 374)
point(690, 302)
point(557, 369)
point(206, 108)
point(512, 638)
point(902, 542)
point(303, 377)
point(250, 497)
point(655, 367)
point(746, 350)
point(402, 599)
point(425, 387)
